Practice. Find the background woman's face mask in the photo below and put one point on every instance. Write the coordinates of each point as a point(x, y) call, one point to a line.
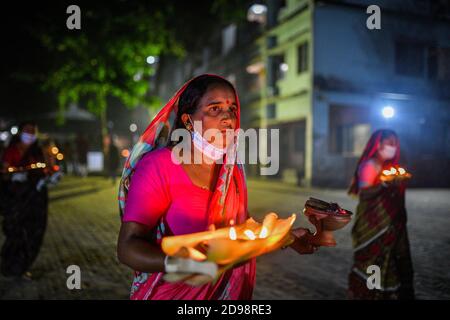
point(27, 138)
point(387, 152)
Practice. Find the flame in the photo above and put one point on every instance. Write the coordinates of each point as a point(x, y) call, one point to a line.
point(401, 171)
point(250, 234)
point(40, 165)
point(264, 232)
point(293, 216)
point(386, 172)
point(196, 255)
point(125, 153)
point(232, 233)
point(393, 170)
point(10, 169)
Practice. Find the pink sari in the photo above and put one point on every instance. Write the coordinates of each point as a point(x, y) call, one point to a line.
point(236, 283)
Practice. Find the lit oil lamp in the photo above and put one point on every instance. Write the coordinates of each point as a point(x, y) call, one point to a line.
point(327, 217)
point(392, 173)
point(231, 245)
point(32, 166)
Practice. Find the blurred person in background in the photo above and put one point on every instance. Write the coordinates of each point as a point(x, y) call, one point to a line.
point(112, 158)
point(82, 148)
point(26, 201)
point(379, 233)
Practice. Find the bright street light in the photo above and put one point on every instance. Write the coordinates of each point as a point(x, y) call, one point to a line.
point(151, 59)
point(388, 112)
point(133, 127)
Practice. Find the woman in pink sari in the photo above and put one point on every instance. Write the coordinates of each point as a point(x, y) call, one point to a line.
point(160, 196)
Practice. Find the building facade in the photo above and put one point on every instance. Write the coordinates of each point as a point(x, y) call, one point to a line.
point(316, 72)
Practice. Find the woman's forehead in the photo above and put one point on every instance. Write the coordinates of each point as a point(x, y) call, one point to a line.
point(29, 128)
point(219, 94)
point(390, 139)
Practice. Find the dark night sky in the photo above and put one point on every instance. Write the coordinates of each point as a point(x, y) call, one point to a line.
point(22, 52)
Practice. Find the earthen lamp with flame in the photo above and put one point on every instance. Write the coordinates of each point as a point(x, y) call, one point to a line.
point(232, 245)
point(394, 173)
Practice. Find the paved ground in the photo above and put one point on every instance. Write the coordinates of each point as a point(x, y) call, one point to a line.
point(287, 275)
point(83, 226)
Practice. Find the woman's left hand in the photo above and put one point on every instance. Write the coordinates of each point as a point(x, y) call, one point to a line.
point(303, 241)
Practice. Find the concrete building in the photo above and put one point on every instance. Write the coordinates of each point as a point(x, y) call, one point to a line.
point(329, 78)
point(316, 72)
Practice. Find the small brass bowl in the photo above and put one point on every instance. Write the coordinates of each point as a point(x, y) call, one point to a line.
point(327, 217)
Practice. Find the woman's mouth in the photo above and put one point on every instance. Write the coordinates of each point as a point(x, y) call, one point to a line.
point(226, 129)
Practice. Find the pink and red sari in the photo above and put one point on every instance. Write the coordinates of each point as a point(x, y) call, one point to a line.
point(236, 283)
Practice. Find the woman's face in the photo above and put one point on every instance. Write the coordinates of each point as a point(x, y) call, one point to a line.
point(388, 148)
point(217, 110)
point(389, 141)
point(30, 129)
point(28, 134)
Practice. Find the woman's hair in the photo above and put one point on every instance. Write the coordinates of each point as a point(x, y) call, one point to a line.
point(370, 151)
point(190, 98)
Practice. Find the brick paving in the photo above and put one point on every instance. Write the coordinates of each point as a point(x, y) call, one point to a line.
point(83, 227)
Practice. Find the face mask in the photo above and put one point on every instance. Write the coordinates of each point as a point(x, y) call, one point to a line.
point(27, 138)
point(205, 147)
point(388, 152)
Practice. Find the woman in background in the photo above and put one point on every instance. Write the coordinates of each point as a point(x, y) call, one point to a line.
point(25, 202)
point(379, 233)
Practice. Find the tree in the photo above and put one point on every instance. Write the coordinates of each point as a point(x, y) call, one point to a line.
point(107, 57)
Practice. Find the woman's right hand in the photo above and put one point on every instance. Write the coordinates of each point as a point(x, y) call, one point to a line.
point(303, 242)
point(135, 249)
point(190, 271)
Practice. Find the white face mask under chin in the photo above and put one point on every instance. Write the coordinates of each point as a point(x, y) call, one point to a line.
point(27, 138)
point(388, 152)
point(207, 148)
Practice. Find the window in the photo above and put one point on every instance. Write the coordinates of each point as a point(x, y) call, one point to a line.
point(438, 63)
point(349, 129)
point(299, 137)
point(447, 142)
point(228, 38)
point(302, 57)
point(271, 111)
point(353, 139)
point(281, 67)
point(422, 60)
point(350, 140)
point(410, 58)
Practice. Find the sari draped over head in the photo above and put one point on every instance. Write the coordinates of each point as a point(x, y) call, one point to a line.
point(380, 237)
point(236, 283)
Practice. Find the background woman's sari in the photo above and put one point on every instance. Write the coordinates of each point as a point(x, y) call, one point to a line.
point(236, 283)
point(380, 236)
point(25, 214)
